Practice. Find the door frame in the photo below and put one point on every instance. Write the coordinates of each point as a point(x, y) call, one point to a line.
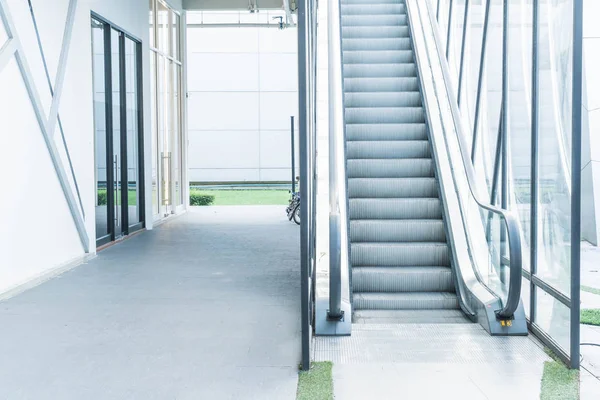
point(109, 131)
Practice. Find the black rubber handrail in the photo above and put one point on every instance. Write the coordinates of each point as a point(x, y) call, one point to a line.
point(512, 227)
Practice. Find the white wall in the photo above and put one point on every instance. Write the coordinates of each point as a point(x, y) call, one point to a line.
point(38, 232)
point(242, 85)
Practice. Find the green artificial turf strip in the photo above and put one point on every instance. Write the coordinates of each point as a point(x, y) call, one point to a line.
point(559, 382)
point(247, 197)
point(590, 289)
point(590, 317)
point(316, 383)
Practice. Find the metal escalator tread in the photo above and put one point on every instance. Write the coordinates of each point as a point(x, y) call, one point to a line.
point(399, 253)
point(405, 301)
point(409, 317)
point(405, 279)
point(405, 230)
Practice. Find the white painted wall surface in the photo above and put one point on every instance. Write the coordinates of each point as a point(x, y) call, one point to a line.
point(38, 234)
point(242, 85)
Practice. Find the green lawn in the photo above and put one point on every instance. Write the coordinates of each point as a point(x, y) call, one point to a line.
point(590, 317)
point(559, 382)
point(316, 383)
point(131, 196)
point(236, 197)
point(590, 289)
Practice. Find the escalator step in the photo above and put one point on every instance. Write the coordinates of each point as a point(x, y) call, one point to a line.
point(411, 208)
point(377, 44)
point(395, 84)
point(380, 71)
point(375, 32)
point(390, 168)
point(392, 187)
point(385, 115)
point(373, 9)
point(402, 279)
point(396, 149)
point(390, 231)
point(383, 100)
point(374, 20)
point(399, 254)
point(405, 301)
point(384, 132)
point(409, 317)
point(373, 2)
point(378, 57)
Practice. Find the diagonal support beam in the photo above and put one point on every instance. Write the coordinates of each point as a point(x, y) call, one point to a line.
point(7, 52)
point(42, 122)
point(62, 67)
point(56, 99)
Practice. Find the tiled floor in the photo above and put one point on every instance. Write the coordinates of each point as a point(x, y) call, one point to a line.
point(429, 361)
point(204, 307)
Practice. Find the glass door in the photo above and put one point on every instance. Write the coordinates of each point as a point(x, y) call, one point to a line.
point(102, 159)
point(167, 137)
point(116, 181)
point(118, 132)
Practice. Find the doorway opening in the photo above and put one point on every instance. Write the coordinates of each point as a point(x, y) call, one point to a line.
point(118, 132)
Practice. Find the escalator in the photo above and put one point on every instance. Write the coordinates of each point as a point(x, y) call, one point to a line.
point(411, 240)
point(398, 249)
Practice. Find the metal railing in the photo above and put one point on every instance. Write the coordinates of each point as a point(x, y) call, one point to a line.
point(510, 243)
point(307, 35)
point(338, 232)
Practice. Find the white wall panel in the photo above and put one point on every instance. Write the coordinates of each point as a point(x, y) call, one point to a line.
point(275, 175)
point(37, 217)
point(279, 72)
point(223, 72)
point(277, 41)
point(276, 109)
point(224, 149)
point(275, 149)
point(223, 111)
point(220, 40)
point(241, 79)
point(223, 175)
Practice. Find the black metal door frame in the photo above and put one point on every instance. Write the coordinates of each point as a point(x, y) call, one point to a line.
point(110, 153)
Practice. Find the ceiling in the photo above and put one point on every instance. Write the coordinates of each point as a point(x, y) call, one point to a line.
point(236, 4)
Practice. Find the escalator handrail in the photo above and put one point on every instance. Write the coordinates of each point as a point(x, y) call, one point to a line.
point(338, 211)
point(512, 227)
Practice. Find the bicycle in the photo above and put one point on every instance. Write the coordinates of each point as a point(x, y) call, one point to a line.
point(293, 209)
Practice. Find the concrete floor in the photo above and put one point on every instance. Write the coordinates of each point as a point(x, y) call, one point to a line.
point(204, 307)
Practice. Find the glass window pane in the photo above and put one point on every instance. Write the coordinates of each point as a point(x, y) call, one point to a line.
point(176, 134)
point(175, 35)
point(155, 151)
point(491, 100)
point(456, 30)
point(471, 65)
point(133, 133)
point(554, 212)
point(151, 23)
point(519, 129)
point(99, 70)
point(443, 15)
point(116, 163)
point(162, 14)
point(163, 123)
point(554, 318)
point(526, 295)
